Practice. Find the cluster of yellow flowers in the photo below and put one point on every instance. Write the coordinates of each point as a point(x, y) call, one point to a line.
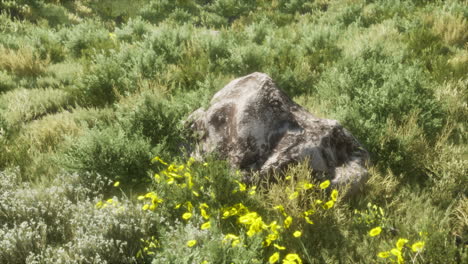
point(396, 254)
point(372, 216)
point(151, 245)
point(153, 199)
point(272, 232)
point(111, 203)
point(180, 177)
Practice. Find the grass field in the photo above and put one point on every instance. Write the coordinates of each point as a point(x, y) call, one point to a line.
point(93, 95)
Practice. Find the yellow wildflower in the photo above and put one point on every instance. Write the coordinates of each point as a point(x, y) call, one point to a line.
point(292, 259)
point(384, 254)
point(206, 225)
point(253, 190)
point(248, 219)
point(156, 200)
point(334, 195)
point(274, 227)
point(270, 238)
point(281, 209)
point(401, 243)
point(116, 184)
point(375, 231)
point(159, 160)
point(191, 243)
point(204, 214)
point(297, 234)
point(418, 246)
point(294, 195)
point(145, 207)
point(235, 242)
point(274, 258)
point(229, 212)
point(190, 161)
point(99, 204)
point(308, 220)
point(170, 181)
point(242, 187)
point(328, 204)
point(324, 184)
point(279, 247)
point(235, 239)
point(187, 216)
point(255, 227)
point(157, 177)
point(231, 236)
point(395, 252)
point(288, 221)
point(307, 186)
point(309, 212)
point(189, 206)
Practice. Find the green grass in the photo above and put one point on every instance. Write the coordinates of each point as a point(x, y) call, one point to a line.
point(91, 91)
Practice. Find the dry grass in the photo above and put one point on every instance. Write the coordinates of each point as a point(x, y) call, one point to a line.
point(460, 217)
point(383, 36)
point(47, 133)
point(22, 61)
point(453, 29)
point(459, 61)
point(23, 105)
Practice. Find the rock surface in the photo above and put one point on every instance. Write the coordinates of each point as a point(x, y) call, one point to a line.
point(257, 127)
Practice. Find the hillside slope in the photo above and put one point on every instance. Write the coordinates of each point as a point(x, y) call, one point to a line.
point(92, 91)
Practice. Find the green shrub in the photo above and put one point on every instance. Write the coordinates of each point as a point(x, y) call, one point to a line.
point(168, 43)
point(116, 10)
point(48, 43)
point(89, 38)
point(155, 118)
point(160, 10)
point(107, 79)
point(110, 152)
point(232, 9)
point(134, 30)
point(369, 91)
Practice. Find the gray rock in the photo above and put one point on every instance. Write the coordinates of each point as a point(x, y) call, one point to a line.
point(257, 127)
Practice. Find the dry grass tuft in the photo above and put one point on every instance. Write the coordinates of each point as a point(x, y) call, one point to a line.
point(47, 133)
point(22, 61)
point(453, 29)
point(23, 105)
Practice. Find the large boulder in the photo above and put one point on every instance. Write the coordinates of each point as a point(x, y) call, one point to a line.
point(257, 127)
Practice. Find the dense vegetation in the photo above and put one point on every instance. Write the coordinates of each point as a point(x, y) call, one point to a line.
point(92, 91)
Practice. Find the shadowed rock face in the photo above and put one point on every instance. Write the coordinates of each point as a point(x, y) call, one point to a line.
point(257, 127)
